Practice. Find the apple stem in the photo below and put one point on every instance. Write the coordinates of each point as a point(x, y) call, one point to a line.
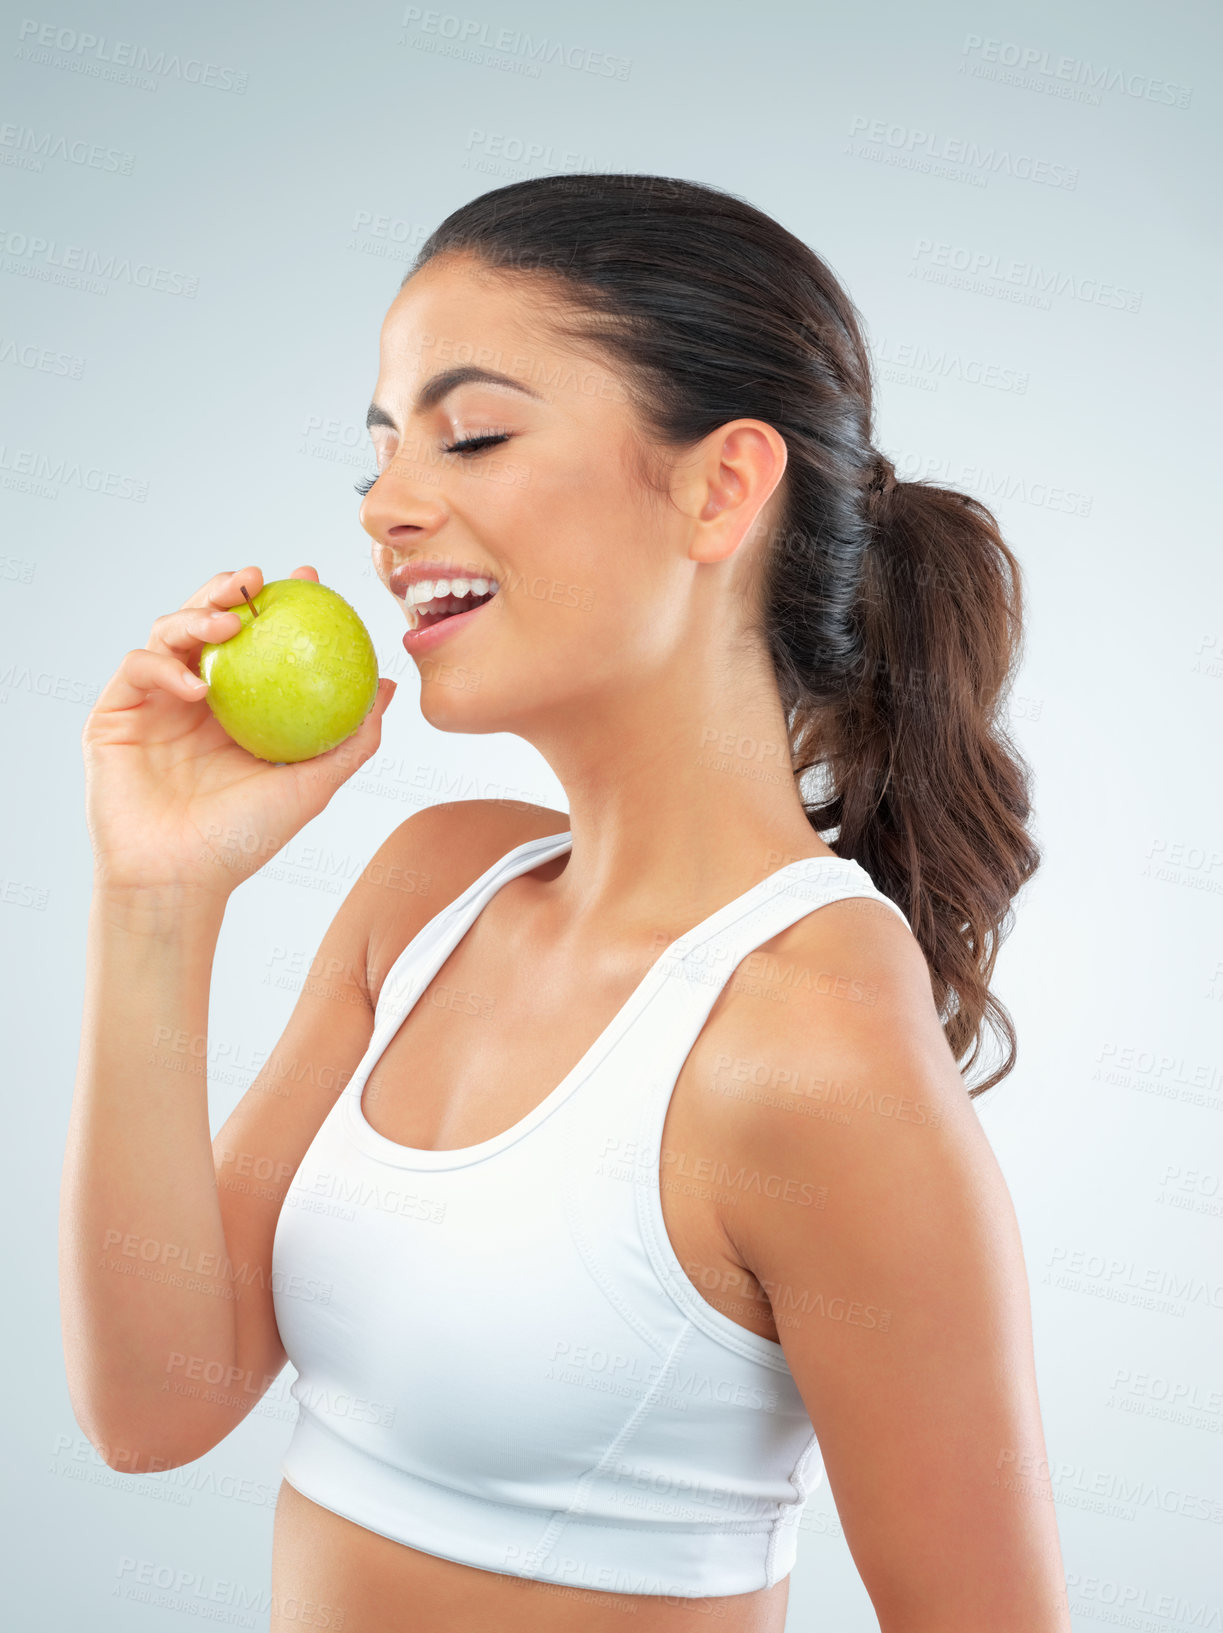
point(249, 602)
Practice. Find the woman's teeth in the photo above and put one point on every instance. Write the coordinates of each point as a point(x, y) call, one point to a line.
point(430, 599)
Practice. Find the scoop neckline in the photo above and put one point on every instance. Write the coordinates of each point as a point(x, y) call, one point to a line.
point(517, 861)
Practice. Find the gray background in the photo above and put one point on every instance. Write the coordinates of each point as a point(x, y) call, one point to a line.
point(149, 438)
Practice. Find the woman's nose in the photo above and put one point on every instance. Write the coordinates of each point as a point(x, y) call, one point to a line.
point(405, 498)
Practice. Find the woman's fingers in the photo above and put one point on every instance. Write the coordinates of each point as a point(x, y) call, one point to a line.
point(185, 632)
point(225, 590)
point(222, 589)
point(222, 592)
point(176, 639)
point(142, 672)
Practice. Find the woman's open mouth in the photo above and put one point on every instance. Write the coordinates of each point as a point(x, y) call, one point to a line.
point(439, 607)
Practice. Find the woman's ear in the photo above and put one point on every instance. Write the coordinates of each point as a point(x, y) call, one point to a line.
point(727, 487)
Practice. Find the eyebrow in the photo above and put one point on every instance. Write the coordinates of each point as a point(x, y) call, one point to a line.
point(441, 385)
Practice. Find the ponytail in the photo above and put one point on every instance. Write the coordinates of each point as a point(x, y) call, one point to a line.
point(927, 791)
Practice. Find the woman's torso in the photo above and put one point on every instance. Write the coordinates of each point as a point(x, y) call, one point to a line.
point(538, 1015)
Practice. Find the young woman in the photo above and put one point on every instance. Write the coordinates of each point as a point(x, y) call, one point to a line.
point(615, 1177)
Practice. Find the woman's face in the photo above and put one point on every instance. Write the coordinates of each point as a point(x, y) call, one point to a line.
point(596, 583)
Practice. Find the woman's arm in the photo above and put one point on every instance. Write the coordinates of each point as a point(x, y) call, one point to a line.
point(164, 1278)
point(902, 1300)
point(139, 1219)
point(178, 815)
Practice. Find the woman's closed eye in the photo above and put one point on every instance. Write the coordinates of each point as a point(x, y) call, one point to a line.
point(467, 446)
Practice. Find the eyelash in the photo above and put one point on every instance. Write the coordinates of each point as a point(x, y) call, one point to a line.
point(467, 447)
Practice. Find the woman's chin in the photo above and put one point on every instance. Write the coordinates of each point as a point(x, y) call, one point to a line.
point(454, 699)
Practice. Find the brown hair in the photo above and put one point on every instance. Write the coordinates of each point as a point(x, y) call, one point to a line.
point(891, 609)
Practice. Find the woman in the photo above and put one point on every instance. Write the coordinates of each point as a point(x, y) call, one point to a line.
point(615, 1175)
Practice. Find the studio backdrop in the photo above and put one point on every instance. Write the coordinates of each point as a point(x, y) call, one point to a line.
point(207, 214)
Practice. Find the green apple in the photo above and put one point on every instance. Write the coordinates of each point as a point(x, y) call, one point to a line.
point(299, 676)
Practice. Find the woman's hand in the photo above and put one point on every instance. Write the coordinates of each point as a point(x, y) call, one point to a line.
point(171, 800)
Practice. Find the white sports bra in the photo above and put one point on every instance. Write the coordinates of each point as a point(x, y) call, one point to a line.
point(500, 1359)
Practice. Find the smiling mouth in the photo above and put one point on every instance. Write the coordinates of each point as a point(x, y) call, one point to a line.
point(430, 607)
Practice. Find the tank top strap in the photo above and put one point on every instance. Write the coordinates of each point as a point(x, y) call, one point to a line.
point(705, 958)
point(698, 966)
point(435, 941)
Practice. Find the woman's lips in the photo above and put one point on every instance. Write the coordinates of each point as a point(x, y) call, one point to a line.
point(426, 638)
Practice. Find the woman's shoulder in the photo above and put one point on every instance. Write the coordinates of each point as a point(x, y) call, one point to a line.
point(429, 860)
point(836, 1016)
point(850, 966)
point(456, 830)
point(835, 1071)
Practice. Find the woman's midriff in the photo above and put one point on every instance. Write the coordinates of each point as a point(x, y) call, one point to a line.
point(329, 1573)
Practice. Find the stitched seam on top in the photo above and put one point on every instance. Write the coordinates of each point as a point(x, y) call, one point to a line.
point(687, 1527)
point(688, 1300)
point(674, 1283)
point(614, 1298)
point(789, 1514)
point(628, 1429)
